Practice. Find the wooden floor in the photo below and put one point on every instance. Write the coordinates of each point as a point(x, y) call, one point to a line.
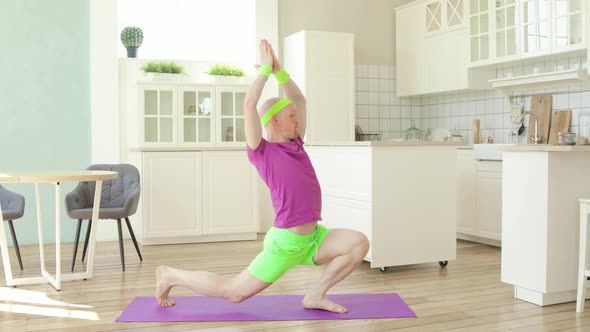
point(466, 296)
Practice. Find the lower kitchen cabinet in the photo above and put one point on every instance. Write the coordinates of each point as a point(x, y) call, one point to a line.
point(479, 199)
point(489, 202)
point(401, 197)
point(198, 196)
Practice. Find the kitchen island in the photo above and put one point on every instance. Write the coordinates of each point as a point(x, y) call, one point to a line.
point(402, 195)
point(540, 219)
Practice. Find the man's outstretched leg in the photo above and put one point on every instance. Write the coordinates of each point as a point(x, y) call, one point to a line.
point(236, 289)
point(343, 250)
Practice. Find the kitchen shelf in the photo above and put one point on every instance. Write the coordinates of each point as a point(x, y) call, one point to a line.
point(541, 80)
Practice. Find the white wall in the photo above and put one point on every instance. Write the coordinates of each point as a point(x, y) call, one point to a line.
point(371, 21)
point(104, 85)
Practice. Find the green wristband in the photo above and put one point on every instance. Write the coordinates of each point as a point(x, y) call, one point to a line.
point(265, 70)
point(282, 76)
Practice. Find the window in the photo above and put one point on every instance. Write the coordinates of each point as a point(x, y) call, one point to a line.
point(196, 30)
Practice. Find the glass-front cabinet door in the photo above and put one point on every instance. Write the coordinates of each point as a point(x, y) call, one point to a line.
point(158, 115)
point(434, 17)
point(230, 101)
point(536, 27)
point(568, 18)
point(197, 115)
point(505, 28)
point(455, 14)
point(479, 31)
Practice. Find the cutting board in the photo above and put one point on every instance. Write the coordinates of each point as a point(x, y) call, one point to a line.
point(560, 122)
point(541, 108)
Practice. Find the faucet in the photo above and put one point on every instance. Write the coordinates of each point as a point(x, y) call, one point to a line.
point(536, 138)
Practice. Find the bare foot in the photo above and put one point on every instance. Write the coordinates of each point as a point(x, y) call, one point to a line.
point(322, 303)
point(163, 287)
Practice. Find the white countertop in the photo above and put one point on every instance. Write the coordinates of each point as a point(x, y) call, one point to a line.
point(545, 148)
point(390, 143)
point(188, 149)
point(353, 143)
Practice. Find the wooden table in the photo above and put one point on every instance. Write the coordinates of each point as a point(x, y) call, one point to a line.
point(55, 177)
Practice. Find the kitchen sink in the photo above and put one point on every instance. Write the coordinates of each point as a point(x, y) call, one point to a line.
point(488, 151)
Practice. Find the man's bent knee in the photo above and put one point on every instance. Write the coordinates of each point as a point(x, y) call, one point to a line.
point(362, 244)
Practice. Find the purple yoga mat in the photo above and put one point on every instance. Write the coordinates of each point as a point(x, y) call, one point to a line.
point(263, 308)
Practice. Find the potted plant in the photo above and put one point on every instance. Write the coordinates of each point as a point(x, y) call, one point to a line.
point(131, 37)
point(225, 73)
point(160, 69)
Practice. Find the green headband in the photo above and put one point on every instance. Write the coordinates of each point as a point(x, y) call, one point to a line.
point(276, 108)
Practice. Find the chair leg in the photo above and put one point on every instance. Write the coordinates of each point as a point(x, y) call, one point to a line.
point(121, 250)
point(87, 238)
point(76, 240)
point(13, 233)
point(133, 238)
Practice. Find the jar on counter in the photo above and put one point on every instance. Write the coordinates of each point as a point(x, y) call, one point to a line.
point(570, 138)
point(584, 129)
point(413, 133)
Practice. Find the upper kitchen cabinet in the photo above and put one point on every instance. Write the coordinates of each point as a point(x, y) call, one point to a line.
point(432, 52)
point(158, 116)
point(231, 114)
point(197, 115)
point(322, 65)
point(443, 15)
point(191, 115)
point(479, 30)
point(522, 29)
point(411, 29)
point(505, 35)
point(536, 37)
point(569, 19)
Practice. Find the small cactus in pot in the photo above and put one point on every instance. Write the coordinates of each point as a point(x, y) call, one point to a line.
point(131, 37)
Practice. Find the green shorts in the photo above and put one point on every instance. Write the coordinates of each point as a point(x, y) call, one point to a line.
point(283, 250)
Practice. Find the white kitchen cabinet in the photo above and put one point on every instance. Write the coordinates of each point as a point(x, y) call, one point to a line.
point(433, 60)
point(198, 196)
point(158, 115)
point(466, 192)
point(479, 199)
point(196, 115)
point(230, 112)
point(229, 191)
point(568, 24)
point(536, 27)
point(172, 195)
point(410, 50)
point(381, 191)
point(322, 65)
point(489, 200)
point(505, 29)
point(479, 30)
point(191, 115)
point(522, 29)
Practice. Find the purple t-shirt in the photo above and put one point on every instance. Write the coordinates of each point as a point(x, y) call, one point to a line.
point(294, 188)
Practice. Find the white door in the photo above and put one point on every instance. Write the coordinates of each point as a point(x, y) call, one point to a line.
point(568, 24)
point(346, 213)
point(158, 123)
point(230, 115)
point(489, 205)
point(196, 115)
point(466, 192)
point(172, 194)
point(230, 192)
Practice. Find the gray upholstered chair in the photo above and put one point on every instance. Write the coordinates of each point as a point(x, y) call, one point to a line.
point(118, 200)
point(13, 207)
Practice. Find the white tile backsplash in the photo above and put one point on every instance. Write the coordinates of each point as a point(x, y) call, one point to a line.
point(380, 110)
